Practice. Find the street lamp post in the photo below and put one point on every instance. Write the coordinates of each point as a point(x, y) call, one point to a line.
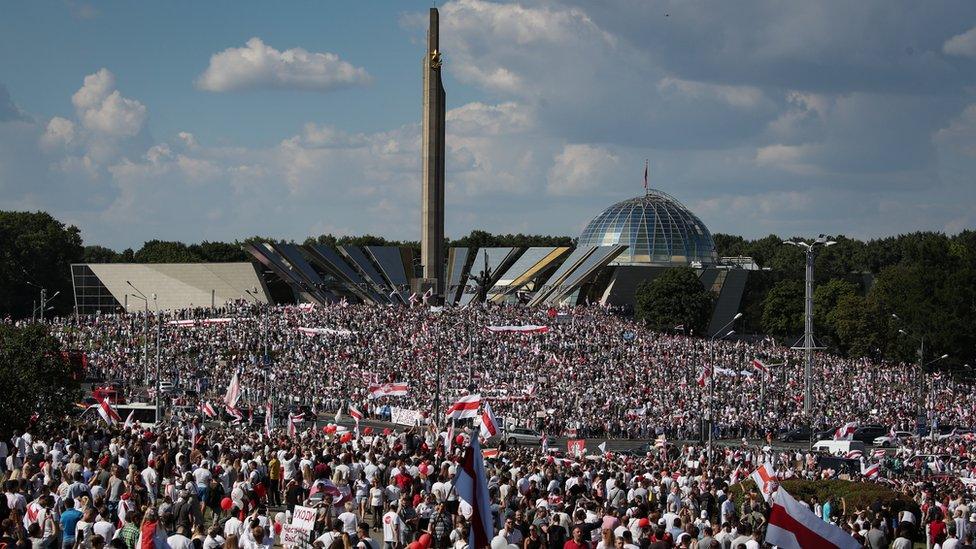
point(145, 332)
point(808, 343)
point(711, 380)
point(923, 391)
point(159, 333)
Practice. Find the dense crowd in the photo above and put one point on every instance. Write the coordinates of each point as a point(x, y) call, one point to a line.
point(208, 483)
point(185, 484)
point(582, 376)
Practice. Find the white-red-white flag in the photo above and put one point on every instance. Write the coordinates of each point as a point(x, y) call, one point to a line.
point(207, 409)
point(845, 431)
point(355, 414)
point(108, 413)
point(704, 375)
point(238, 416)
point(759, 365)
point(449, 439)
point(471, 484)
point(233, 392)
point(465, 407)
point(871, 471)
point(388, 389)
point(129, 420)
point(765, 479)
point(793, 526)
point(489, 425)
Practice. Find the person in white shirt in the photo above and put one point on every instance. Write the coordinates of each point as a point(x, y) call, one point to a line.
point(349, 520)
point(179, 540)
point(233, 525)
point(393, 527)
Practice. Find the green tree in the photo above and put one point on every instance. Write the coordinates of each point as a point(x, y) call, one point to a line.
point(825, 299)
point(783, 308)
point(857, 325)
point(100, 254)
point(675, 297)
point(35, 378)
point(218, 252)
point(161, 251)
point(36, 251)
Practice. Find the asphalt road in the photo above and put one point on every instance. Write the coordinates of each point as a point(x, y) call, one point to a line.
point(613, 444)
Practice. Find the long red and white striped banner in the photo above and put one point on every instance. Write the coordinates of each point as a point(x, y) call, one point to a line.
point(528, 329)
point(388, 389)
point(325, 331)
point(203, 321)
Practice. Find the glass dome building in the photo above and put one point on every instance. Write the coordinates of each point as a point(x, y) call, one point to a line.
point(657, 229)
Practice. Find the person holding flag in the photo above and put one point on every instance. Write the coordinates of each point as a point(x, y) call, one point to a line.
point(471, 486)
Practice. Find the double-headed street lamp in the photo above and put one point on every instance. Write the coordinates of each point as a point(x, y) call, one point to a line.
point(920, 338)
point(821, 241)
point(711, 378)
point(159, 333)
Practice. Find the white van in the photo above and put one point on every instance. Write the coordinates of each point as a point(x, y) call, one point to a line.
point(839, 447)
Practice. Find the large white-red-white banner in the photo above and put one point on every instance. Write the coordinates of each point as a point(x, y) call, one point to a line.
point(325, 331)
point(388, 389)
point(465, 407)
point(528, 329)
point(793, 526)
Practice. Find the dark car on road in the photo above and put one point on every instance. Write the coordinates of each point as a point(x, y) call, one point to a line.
point(802, 434)
point(868, 432)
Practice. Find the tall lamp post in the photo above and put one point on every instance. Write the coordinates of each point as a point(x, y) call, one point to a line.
point(922, 393)
point(711, 379)
point(159, 333)
point(145, 332)
point(810, 249)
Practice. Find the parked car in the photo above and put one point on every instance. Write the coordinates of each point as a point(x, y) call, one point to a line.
point(888, 441)
point(521, 435)
point(868, 432)
point(802, 434)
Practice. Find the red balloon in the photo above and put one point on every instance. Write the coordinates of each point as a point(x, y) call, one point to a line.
point(459, 439)
point(415, 545)
point(367, 430)
point(346, 437)
point(226, 504)
point(329, 429)
point(425, 540)
point(386, 432)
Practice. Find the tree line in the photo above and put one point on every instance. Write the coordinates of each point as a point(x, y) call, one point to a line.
point(927, 279)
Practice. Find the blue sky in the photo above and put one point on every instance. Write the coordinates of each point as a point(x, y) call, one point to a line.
point(222, 120)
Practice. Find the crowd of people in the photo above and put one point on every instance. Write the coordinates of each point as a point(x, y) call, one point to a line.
point(185, 484)
point(583, 376)
point(208, 483)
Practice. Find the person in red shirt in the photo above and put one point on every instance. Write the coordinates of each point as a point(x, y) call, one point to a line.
point(577, 542)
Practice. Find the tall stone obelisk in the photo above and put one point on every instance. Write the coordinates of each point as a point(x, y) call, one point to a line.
point(432, 198)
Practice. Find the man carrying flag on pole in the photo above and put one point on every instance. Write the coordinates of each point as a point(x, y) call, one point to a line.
point(471, 484)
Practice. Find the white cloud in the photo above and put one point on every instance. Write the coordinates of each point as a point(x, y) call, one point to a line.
point(481, 119)
point(580, 169)
point(258, 65)
point(60, 132)
point(963, 45)
point(101, 108)
point(736, 96)
point(960, 135)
